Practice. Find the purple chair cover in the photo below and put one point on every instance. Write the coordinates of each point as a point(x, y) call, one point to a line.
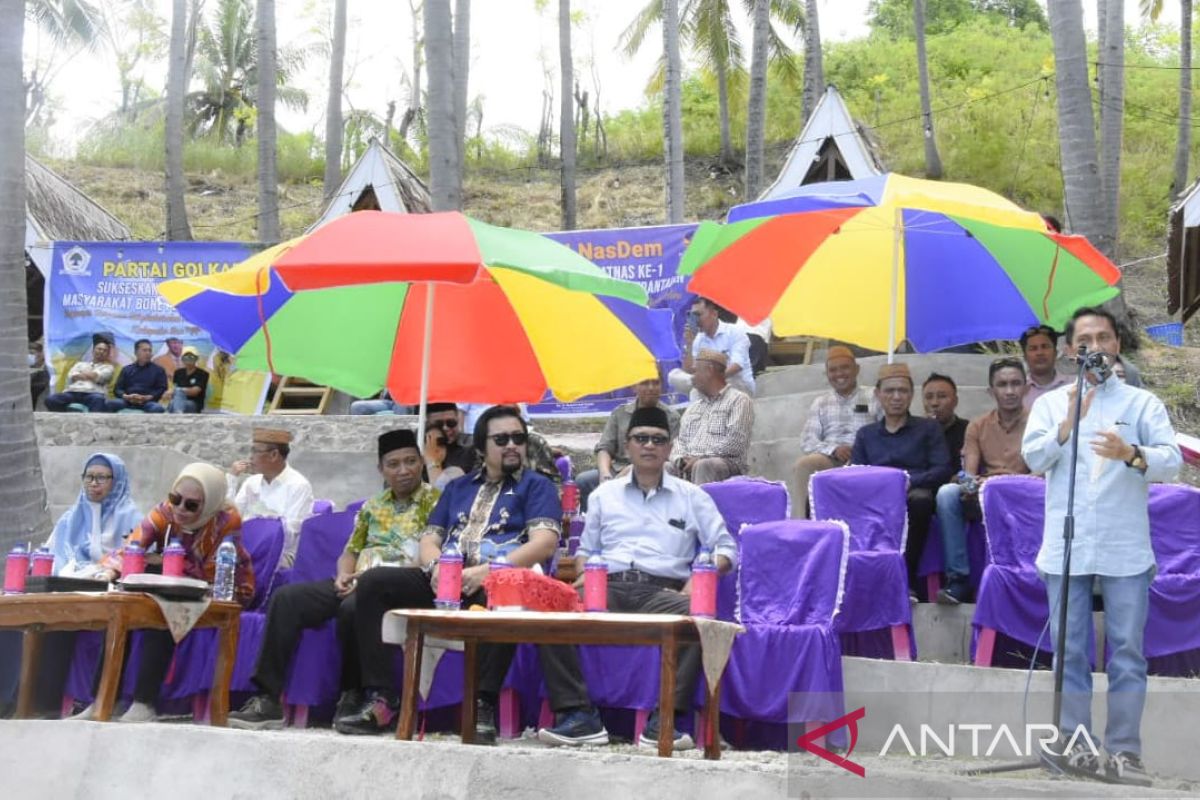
point(322, 506)
point(744, 501)
point(263, 539)
point(1012, 598)
point(354, 505)
point(873, 502)
point(933, 558)
point(1171, 626)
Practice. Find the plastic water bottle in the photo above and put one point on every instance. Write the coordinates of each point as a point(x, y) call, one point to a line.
point(226, 567)
point(15, 570)
point(595, 583)
point(449, 588)
point(570, 498)
point(43, 562)
point(704, 585)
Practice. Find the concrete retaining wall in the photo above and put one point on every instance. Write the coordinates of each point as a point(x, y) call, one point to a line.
point(969, 370)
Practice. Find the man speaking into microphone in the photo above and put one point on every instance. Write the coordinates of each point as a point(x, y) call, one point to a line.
point(1125, 442)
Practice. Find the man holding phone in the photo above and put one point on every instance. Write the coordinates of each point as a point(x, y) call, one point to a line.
point(706, 331)
point(448, 451)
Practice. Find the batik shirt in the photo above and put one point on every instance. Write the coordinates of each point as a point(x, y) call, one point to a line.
point(392, 531)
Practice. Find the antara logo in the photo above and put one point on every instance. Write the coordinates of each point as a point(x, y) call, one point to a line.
point(809, 741)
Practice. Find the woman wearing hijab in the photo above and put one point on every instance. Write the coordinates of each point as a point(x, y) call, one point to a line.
point(101, 517)
point(197, 516)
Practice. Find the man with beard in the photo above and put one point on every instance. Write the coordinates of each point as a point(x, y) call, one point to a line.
point(503, 509)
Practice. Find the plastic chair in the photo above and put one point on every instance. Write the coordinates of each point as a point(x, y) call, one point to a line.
point(321, 506)
point(1172, 642)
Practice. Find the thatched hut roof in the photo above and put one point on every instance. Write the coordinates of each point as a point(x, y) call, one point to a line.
point(56, 210)
point(379, 180)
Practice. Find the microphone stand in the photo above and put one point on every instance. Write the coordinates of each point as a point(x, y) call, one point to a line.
point(1060, 645)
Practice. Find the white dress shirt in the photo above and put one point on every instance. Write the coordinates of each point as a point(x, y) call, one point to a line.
point(289, 497)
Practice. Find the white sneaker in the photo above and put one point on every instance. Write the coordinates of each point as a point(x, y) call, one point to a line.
point(88, 713)
point(139, 712)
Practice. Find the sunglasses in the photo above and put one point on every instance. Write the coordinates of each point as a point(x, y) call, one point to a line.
point(656, 439)
point(502, 439)
point(444, 423)
point(188, 505)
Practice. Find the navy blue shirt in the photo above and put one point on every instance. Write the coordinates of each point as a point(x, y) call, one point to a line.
point(135, 379)
point(918, 448)
point(486, 520)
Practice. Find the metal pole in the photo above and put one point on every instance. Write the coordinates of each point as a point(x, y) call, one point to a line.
point(426, 347)
point(897, 242)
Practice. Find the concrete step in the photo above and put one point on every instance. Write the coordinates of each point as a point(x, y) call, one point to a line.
point(773, 459)
point(967, 369)
point(783, 416)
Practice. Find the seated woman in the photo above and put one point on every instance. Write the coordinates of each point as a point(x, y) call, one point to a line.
point(102, 515)
point(198, 517)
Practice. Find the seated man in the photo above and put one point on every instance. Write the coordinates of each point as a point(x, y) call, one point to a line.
point(274, 489)
point(912, 444)
point(386, 531)
point(141, 384)
point(448, 451)
point(648, 528)
point(714, 433)
point(1039, 346)
point(171, 360)
point(832, 421)
point(992, 447)
point(501, 509)
point(722, 337)
point(383, 403)
point(612, 458)
point(939, 394)
point(87, 381)
point(189, 385)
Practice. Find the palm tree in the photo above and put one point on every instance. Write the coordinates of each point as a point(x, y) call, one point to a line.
point(268, 174)
point(413, 112)
point(566, 122)
point(933, 162)
point(1112, 110)
point(756, 114)
point(708, 28)
point(22, 491)
point(673, 112)
point(178, 229)
point(462, 68)
point(443, 152)
point(333, 106)
point(70, 23)
point(814, 69)
point(1183, 142)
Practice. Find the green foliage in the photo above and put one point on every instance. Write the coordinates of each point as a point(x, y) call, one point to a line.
point(895, 17)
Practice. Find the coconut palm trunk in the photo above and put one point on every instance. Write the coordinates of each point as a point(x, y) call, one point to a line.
point(333, 107)
point(22, 492)
point(177, 226)
point(462, 68)
point(673, 112)
point(814, 67)
point(1112, 112)
point(1183, 143)
point(566, 122)
point(439, 62)
point(933, 161)
point(268, 173)
point(756, 113)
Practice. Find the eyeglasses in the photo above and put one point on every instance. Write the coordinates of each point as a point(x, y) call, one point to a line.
point(261, 451)
point(89, 477)
point(502, 439)
point(444, 423)
point(188, 505)
point(656, 439)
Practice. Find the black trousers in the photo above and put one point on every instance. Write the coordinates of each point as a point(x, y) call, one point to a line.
point(921, 506)
point(293, 608)
point(560, 663)
point(384, 588)
point(157, 649)
point(58, 649)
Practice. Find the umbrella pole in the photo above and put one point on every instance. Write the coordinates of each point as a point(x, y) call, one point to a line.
point(896, 242)
point(425, 350)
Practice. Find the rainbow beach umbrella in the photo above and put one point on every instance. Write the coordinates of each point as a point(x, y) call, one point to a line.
point(888, 258)
point(352, 305)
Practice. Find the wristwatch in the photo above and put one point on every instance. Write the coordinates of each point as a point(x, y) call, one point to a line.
point(1137, 460)
point(428, 568)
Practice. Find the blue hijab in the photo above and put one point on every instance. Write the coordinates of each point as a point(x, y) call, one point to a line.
point(71, 540)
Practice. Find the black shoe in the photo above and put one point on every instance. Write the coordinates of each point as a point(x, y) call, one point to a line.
point(954, 592)
point(575, 728)
point(485, 722)
point(349, 704)
point(1126, 768)
point(261, 712)
point(376, 715)
point(1081, 761)
point(649, 737)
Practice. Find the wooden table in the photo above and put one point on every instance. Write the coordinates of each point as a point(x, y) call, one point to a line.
point(115, 613)
point(410, 627)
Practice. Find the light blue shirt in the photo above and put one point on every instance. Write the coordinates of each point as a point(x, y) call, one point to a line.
point(655, 532)
point(1112, 521)
point(734, 343)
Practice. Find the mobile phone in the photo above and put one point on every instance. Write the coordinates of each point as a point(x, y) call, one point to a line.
point(693, 320)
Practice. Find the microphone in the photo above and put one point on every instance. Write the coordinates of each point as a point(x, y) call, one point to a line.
point(1097, 363)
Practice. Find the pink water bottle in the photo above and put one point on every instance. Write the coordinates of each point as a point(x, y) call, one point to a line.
point(595, 584)
point(570, 498)
point(15, 569)
point(43, 562)
point(704, 585)
point(172, 565)
point(133, 560)
point(450, 570)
